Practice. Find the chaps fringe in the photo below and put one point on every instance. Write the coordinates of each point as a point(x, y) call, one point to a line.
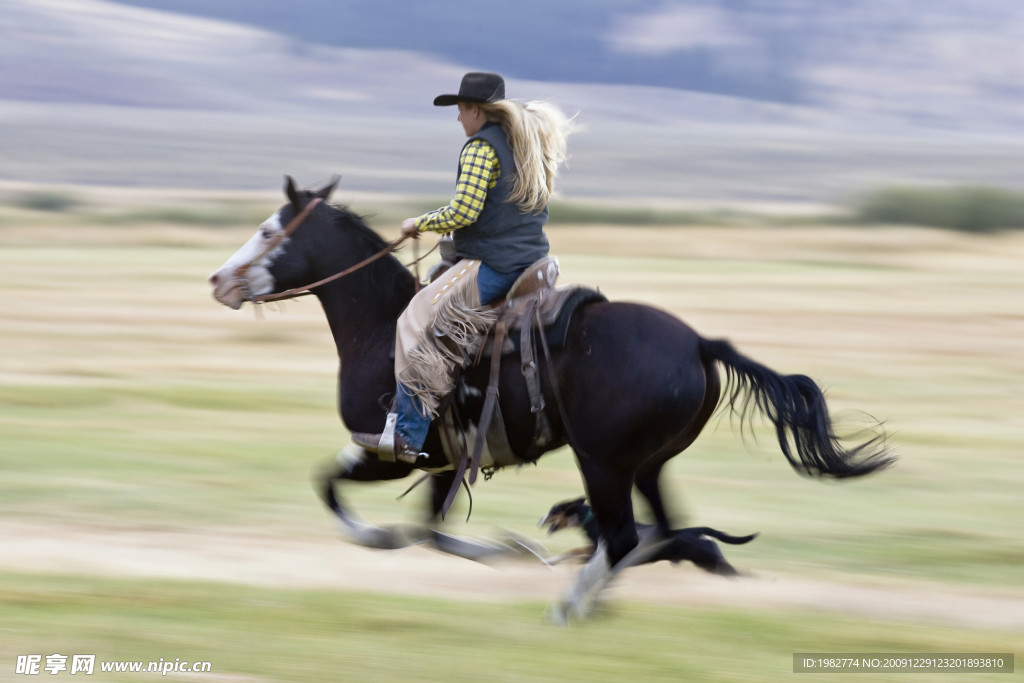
point(453, 340)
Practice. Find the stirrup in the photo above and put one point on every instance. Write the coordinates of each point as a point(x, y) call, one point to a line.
point(386, 447)
point(389, 446)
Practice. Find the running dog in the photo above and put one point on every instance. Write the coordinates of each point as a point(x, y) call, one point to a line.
point(693, 544)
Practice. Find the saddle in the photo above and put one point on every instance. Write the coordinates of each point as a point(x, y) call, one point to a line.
point(534, 310)
point(534, 303)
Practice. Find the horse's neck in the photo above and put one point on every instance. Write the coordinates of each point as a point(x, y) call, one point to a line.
point(362, 310)
point(360, 326)
point(364, 336)
point(363, 323)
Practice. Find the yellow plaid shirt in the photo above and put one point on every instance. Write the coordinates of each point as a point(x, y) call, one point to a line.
point(480, 172)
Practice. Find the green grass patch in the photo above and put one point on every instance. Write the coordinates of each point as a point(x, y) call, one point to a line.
point(949, 555)
point(213, 213)
point(30, 397)
point(220, 215)
point(562, 212)
point(46, 200)
point(304, 635)
point(967, 209)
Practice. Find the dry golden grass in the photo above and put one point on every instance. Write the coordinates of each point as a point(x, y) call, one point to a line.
point(146, 431)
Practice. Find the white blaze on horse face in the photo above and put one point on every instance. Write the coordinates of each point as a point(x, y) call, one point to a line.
point(227, 287)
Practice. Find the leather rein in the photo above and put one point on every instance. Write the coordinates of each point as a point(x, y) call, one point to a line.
point(292, 226)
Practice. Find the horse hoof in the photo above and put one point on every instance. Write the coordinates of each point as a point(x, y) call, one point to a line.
point(523, 547)
point(467, 549)
point(370, 536)
point(571, 610)
point(558, 614)
point(583, 608)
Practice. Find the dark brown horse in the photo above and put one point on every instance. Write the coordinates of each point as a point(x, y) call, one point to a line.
point(636, 385)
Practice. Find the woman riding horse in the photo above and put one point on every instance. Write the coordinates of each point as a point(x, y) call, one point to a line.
point(506, 175)
point(635, 387)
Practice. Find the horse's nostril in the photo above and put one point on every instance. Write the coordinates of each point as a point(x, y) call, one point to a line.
point(214, 280)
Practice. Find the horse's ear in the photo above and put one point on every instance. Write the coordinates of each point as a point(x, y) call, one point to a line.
point(325, 191)
point(292, 193)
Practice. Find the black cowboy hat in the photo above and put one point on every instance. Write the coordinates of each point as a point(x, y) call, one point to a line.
point(476, 87)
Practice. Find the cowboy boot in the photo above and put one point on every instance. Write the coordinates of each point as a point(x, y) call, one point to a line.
point(389, 445)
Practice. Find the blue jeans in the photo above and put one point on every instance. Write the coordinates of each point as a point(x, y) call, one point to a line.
point(412, 424)
point(494, 285)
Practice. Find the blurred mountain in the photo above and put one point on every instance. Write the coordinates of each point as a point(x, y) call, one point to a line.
point(781, 99)
point(919, 59)
point(586, 42)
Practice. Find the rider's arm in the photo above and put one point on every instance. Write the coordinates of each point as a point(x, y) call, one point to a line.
point(479, 172)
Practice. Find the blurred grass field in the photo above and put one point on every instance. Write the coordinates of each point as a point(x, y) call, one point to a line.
point(156, 448)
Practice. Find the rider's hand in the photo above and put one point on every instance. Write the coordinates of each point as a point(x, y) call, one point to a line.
point(409, 228)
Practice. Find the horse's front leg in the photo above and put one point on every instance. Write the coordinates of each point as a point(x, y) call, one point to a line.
point(478, 550)
point(354, 464)
point(608, 490)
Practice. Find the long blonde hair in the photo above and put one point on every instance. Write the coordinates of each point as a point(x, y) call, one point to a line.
point(538, 133)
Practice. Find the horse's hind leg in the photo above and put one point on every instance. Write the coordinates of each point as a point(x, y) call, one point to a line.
point(649, 486)
point(648, 481)
point(649, 475)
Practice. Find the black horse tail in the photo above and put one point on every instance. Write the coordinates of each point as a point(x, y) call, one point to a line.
point(795, 405)
point(722, 536)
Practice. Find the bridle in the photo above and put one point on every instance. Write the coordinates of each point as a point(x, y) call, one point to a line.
point(293, 225)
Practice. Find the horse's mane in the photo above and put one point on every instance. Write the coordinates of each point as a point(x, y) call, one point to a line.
point(388, 274)
point(351, 220)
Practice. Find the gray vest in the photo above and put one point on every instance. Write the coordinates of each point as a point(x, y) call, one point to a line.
point(503, 237)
